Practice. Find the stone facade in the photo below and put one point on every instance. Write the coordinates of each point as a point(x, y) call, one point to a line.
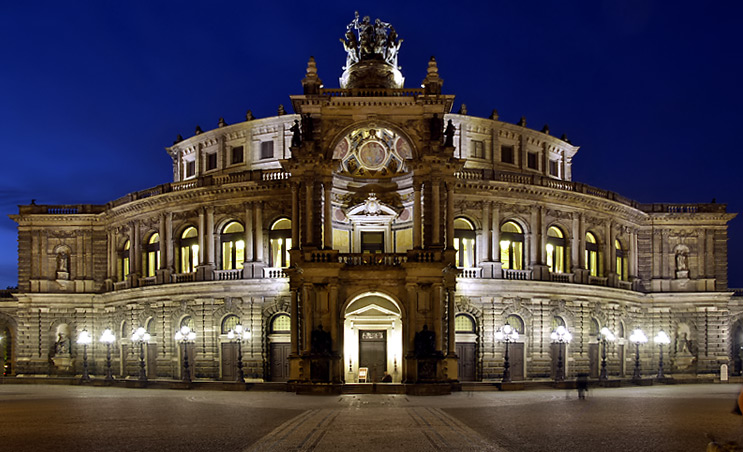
point(376, 230)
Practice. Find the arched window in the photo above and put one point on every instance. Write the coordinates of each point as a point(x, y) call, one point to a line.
point(516, 323)
point(464, 243)
point(281, 324)
point(229, 323)
point(233, 246)
point(187, 321)
point(557, 321)
point(189, 250)
point(124, 268)
point(621, 260)
point(464, 324)
point(593, 328)
point(556, 250)
point(280, 237)
point(592, 254)
point(152, 255)
point(512, 246)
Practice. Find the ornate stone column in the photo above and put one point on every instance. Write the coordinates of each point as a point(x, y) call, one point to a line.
point(487, 254)
point(249, 240)
point(295, 215)
point(450, 216)
point(258, 228)
point(417, 232)
point(327, 215)
point(209, 236)
point(436, 195)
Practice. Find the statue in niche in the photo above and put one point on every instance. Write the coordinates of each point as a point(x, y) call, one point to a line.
point(437, 126)
point(62, 346)
point(682, 261)
point(296, 134)
point(449, 134)
point(425, 343)
point(63, 261)
point(320, 342)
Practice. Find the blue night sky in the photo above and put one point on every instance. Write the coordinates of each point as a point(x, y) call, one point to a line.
point(93, 91)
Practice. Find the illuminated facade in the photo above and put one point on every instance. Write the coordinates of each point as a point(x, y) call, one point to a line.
point(372, 229)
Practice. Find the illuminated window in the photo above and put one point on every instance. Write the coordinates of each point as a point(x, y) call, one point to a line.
point(621, 260)
point(187, 321)
point(152, 255)
point(555, 250)
point(516, 323)
point(281, 324)
point(189, 250)
point(229, 323)
point(233, 246)
point(512, 246)
point(237, 155)
point(557, 321)
point(124, 255)
point(280, 242)
point(372, 242)
point(464, 243)
point(592, 254)
point(464, 324)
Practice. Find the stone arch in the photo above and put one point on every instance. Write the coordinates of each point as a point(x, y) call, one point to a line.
point(371, 123)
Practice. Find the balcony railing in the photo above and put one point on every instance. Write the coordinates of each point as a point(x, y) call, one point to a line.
point(367, 259)
point(148, 281)
point(228, 275)
point(522, 275)
point(473, 272)
point(598, 280)
point(561, 277)
point(183, 277)
point(274, 272)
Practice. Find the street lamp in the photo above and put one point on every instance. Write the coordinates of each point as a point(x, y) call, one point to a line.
point(239, 334)
point(661, 339)
point(108, 338)
point(141, 336)
point(606, 335)
point(638, 337)
point(84, 339)
point(561, 335)
point(506, 334)
point(184, 336)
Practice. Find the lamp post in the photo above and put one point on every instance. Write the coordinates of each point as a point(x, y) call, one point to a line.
point(141, 336)
point(506, 334)
point(184, 336)
point(560, 336)
point(638, 337)
point(108, 338)
point(239, 334)
point(606, 335)
point(661, 339)
point(84, 339)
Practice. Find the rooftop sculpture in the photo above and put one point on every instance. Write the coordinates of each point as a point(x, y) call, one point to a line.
point(371, 54)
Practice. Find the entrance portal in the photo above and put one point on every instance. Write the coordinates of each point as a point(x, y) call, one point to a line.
point(372, 338)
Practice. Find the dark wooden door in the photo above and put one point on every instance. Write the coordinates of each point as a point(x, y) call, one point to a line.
point(373, 353)
point(229, 361)
point(466, 354)
point(593, 360)
point(557, 351)
point(151, 352)
point(516, 360)
point(280, 361)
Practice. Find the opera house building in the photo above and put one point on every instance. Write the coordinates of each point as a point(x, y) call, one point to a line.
point(371, 235)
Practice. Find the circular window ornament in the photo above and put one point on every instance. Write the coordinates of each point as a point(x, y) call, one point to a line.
point(372, 155)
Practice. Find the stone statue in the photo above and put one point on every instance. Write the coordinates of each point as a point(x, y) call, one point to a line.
point(373, 42)
point(307, 127)
point(425, 343)
point(320, 342)
point(449, 134)
point(63, 261)
point(682, 261)
point(296, 134)
point(437, 126)
point(249, 115)
point(62, 346)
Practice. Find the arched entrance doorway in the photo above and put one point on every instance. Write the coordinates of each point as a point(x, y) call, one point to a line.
point(737, 343)
point(372, 337)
